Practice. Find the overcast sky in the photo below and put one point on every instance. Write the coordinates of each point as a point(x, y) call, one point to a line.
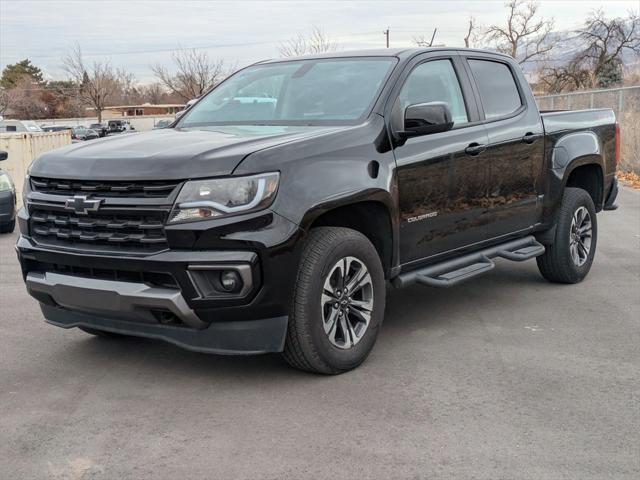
point(136, 33)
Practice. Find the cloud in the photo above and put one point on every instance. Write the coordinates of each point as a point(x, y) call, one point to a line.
point(137, 33)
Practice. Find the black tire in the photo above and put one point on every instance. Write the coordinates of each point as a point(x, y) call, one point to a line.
point(8, 227)
point(557, 264)
point(307, 346)
point(100, 333)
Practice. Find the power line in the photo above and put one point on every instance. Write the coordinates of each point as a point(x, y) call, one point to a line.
point(222, 45)
point(160, 50)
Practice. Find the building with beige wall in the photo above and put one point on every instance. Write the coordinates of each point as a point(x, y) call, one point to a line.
point(144, 109)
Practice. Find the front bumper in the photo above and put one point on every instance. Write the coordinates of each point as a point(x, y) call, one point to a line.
point(162, 295)
point(125, 300)
point(226, 338)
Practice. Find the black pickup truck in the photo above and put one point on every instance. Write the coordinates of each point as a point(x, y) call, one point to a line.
point(271, 216)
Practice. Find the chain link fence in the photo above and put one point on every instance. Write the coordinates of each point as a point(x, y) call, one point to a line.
point(624, 101)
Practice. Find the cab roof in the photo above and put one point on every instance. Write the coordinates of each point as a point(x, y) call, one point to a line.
point(401, 53)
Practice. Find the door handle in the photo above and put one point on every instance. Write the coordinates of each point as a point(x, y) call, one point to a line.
point(475, 149)
point(530, 137)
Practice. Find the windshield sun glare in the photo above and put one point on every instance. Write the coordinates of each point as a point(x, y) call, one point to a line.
point(301, 92)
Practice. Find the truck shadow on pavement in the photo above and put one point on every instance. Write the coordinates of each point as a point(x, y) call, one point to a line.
point(414, 308)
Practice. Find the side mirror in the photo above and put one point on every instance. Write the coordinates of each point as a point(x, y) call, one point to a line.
point(426, 118)
point(3, 155)
point(188, 105)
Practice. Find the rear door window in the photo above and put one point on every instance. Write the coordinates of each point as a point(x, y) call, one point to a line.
point(498, 90)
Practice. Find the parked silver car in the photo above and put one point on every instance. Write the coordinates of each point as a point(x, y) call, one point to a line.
point(19, 126)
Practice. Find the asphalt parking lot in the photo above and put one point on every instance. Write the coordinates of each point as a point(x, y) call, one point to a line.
point(505, 377)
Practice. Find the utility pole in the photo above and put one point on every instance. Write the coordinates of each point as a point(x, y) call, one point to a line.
point(386, 34)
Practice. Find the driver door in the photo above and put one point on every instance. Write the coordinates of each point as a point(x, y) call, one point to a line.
point(442, 177)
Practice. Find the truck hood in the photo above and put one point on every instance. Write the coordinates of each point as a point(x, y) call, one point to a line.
point(171, 154)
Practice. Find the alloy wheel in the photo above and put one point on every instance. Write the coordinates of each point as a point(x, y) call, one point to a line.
point(347, 302)
point(580, 236)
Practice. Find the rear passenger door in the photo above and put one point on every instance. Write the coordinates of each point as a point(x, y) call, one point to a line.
point(515, 154)
point(442, 182)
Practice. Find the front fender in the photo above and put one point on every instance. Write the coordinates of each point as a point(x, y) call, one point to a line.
point(347, 166)
point(346, 199)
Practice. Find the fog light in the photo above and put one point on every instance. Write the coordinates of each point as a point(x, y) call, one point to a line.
point(230, 280)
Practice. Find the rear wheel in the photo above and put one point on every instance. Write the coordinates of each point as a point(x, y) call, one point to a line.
point(338, 302)
point(569, 258)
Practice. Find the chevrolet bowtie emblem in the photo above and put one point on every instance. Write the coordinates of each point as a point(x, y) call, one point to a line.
point(81, 205)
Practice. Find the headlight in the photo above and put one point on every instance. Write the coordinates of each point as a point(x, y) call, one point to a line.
point(26, 188)
point(221, 197)
point(5, 183)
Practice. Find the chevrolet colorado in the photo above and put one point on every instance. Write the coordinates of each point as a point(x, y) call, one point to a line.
point(272, 214)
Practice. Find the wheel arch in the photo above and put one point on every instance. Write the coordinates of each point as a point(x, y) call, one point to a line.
point(577, 160)
point(589, 176)
point(368, 214)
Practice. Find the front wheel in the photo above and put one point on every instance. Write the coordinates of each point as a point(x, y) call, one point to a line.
point(338, 302)
point(569, 258)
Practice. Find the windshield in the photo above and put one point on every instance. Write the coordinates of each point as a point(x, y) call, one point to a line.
point(32, 126)
point(303, 92)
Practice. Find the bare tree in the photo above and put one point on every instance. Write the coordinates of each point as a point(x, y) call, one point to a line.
point(606, 41)
point(600, 62)
point(524, 37)
point(314, 42)
point(5, 100)
point(153, 93)
point(421, 41)
point(25, 99)
point(128, 91)
point(631, 76)
point(571, 76)
point(470, 38)
point(195, 73)
point(98, 82)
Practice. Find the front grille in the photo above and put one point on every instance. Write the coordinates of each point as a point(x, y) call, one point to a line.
point(155, 279)
point(104, 230)
point(136, 189)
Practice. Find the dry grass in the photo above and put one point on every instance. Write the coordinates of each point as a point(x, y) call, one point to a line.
point(630, 179)
point(630, 147)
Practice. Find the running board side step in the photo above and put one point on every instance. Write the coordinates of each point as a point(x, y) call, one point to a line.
point(455, 271)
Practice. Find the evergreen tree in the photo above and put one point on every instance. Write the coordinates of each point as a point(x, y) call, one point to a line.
point(12, 74)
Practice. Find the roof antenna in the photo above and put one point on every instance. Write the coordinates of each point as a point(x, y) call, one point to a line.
point(432, 37)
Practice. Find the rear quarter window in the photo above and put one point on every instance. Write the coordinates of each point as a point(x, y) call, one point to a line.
point(498, 90)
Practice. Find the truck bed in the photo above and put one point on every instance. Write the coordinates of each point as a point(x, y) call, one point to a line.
point(555, 121)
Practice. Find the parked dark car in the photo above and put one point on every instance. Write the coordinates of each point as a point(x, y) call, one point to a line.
point(83, 133)
point(115, 126)
point(275, 226)
point(120, 126)
point(54, 128)
point(7, 200)
point(100, 128)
